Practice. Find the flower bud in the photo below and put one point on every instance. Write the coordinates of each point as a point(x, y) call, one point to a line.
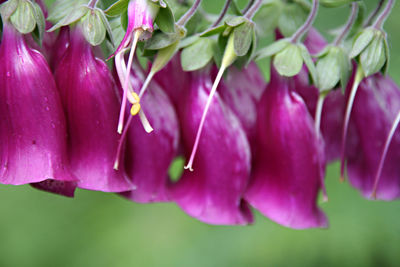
point(88, 93)
point(375, 107)
point(32, 123)
point(213, 192)
point(288, 167)
point(149, 155)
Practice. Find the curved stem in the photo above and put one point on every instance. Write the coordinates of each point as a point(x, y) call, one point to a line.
point(307, 25)
point(383, 16)
point(146, 83)
point(349, 24)
point(372, 16)
point(253, 9)
point(249, 4)
point(357, 80)
point(222, 14)
point(93, 3)
point(384, 153)
point(185, 18)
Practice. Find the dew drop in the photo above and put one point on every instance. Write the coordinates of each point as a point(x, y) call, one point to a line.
point(47, 108)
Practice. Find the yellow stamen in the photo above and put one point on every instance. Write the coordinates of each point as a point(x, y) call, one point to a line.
point(136, 105)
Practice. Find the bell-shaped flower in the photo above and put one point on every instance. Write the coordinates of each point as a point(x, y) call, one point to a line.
point(33, 135)
point(241, 90)
point(213, 192)
point(287, 173)
point(374, 109)
point(89, 96)
point(149, 155)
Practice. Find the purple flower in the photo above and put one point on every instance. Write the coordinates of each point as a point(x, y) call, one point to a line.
point(241, 90)
point(89, 96)
point(213, 192)
point(32, 123)
point(287, 173)
point(149, 155)
point(375, 107)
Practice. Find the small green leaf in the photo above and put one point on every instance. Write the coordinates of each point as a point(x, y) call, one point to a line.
point(309, 62)
point(23, 18)
point(362, 40)
point(373, 58)
point(289, 61)
point(272, 49)
point(72, 17)
point(93, 28)
point(40, 21)
point(165, 20)
point(117, 8)
point(235, 21)
point(213, 31)
point(161, 40)
point(242, 38)
point(8, 8)
point(197, 55)
point(62, 8)
point(163, 56)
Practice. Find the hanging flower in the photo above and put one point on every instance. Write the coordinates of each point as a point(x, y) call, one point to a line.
point(88, 93)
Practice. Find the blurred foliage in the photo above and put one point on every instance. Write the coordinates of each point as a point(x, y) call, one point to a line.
point(99, 229)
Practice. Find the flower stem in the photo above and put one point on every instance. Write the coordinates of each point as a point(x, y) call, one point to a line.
point(253, 9)
point(222, 14)
point(372, 16)
point(349, 24)
point(318, 113)
point(357, 80)
point(384, 153)
point(185, 18)
point(383, 16)
point(249, 4)
point(307, 25)
point(93, 3)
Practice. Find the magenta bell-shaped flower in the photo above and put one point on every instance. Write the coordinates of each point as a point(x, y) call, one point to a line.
point(213, 192)
point(149, 155)
point(287, 172)
point(89, 96)
point(241, 90)
point(375, 107)
point(33, 137)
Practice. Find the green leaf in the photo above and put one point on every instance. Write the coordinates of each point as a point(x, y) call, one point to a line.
point(163, 56)
point(161, 40)
point(289, 61)
point(362, 40)
point(165, 20)
point(197, 55)
point(235, 21)
point(23, 18)
point(308, 61)
point(373, 58)
point(117, 8)
point(8, 8)
point(40, 20)
point(213, 31)
point(72, 17)
point(62, 8)
point(242, 38)
point(188, 41)
point(272, 49)
point(93, 28)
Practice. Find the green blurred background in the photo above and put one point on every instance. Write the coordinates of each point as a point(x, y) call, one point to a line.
point(99, 229)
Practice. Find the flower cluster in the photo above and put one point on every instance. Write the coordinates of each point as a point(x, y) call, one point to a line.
point(68, 120)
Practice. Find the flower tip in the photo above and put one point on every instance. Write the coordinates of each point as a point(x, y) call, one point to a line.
point(120, 127)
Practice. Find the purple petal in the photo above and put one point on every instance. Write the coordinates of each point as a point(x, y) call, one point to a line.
point(287, 172)
point(32, 124)
point(66, 189)
point(212, 193)
point(89, 96)
point(149, 155)
point(375, 107)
